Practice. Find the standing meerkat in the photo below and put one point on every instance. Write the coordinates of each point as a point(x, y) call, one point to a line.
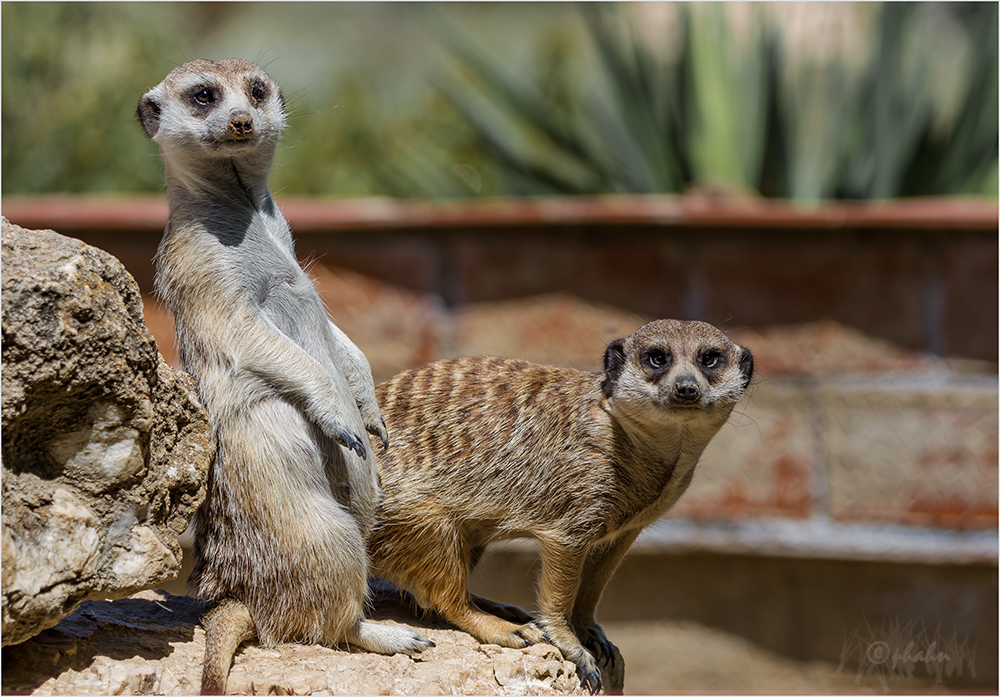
point(293, 492)
point(486, 449)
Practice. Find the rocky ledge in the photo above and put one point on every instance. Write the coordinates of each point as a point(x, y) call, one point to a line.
point(152, 643)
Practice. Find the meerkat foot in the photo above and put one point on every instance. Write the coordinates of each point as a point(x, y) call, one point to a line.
point(563, 637)
point(387, 639)
point(489, 629)
point(607, 656)
point(516, 638)
point(586, 667)
point(532, 633)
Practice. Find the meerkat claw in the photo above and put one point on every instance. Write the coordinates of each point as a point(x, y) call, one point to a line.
point(381, 432)
point(590, 680)
point(352, 442)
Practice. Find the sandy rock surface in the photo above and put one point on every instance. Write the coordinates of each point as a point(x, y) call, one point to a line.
point(105, 447)
point(151, 643)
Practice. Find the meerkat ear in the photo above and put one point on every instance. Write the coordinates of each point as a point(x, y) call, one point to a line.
point(614, 361)
point(148, 113)
point(746, 365)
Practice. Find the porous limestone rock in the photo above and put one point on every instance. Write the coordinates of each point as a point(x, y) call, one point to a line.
point(152, 643)
point(105, 447)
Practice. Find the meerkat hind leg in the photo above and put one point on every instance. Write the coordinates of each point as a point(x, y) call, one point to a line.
point(447, 592)
point(387, 639)
point(490, 629)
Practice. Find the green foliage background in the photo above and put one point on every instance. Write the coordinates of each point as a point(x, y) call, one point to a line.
point(495, 99)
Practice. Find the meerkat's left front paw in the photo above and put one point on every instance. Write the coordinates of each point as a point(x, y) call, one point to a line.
point(377, 428)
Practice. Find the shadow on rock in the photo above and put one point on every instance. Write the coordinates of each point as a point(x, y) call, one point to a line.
point(102, 628)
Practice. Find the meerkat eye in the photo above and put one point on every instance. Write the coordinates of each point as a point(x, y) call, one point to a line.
point(203, 96)
point(713, 358)
point(657, 358)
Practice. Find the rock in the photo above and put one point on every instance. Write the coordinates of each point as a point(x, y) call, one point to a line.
point(105, 447)
point(151, 644)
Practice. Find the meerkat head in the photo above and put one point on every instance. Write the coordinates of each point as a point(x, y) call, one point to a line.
point(673, 370)
point(214, 109)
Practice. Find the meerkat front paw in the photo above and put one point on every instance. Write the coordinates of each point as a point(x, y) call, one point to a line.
point(586, 667)
point(377, 428)
point(607, 656)
point(350, 441)
point(563, 637)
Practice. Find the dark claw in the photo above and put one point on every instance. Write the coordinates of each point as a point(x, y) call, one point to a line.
point(383, 434)
point(590, 679)
point(352, 442)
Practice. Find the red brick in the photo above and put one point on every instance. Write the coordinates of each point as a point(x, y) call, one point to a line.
point(759, 464)
point(631, 270)
point(557, 329)
point(919, 455)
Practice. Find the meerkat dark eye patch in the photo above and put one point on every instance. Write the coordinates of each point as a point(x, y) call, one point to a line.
point(658, 359)
point(258, 92)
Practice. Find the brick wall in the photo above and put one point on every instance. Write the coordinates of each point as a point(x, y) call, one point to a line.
point(873, 416)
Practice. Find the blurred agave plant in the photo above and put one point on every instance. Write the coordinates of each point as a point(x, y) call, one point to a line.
point(911, 112)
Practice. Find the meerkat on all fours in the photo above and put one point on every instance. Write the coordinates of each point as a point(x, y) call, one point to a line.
point(293, 491)
point(486, 449)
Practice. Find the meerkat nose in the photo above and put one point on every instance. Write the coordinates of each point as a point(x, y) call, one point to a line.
point(240, 123)
point(686, 390)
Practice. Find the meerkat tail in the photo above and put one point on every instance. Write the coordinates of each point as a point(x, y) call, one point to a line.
point(226, 627)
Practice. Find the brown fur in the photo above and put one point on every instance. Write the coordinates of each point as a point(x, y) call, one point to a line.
point(486, 449)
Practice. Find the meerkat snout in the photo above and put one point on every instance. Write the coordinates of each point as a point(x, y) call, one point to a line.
point(240, 123)
point(686, 390)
